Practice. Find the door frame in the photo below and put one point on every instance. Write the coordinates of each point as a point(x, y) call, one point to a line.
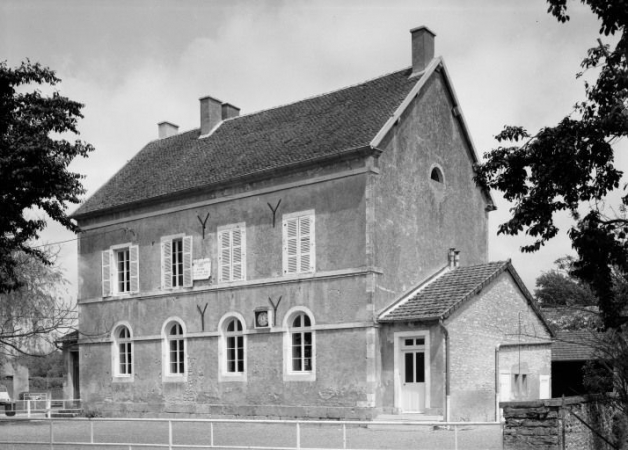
point(397, 337)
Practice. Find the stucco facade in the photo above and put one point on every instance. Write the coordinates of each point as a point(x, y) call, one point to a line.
point(254, 275)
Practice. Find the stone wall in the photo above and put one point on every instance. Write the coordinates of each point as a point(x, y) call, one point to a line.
point(489, 321)
point(559, 424)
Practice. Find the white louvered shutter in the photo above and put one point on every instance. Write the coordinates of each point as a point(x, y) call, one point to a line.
point(306, 244)
point(187, 261)
point(291, 244)
point(134, 253)
point(224, 256)
point(238, 260)
point(166, 264)
point(106, 273)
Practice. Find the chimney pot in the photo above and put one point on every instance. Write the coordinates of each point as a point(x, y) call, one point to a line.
point(457, 258)
point(422, 48)
point(167, 129)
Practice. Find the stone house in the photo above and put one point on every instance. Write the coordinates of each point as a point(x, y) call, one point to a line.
point(295, 262)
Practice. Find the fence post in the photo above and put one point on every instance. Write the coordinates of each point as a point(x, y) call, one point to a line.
point(51, 436)
point(455, 437)
point(298, 435)
point(170, 434)
point(211, 434)
point(49, 407)
point(28, 408)
point(344, 435)
point(91, 431)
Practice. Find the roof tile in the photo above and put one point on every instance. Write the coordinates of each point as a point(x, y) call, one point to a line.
point(574, 345)
point(318, 127)
point(444, 293)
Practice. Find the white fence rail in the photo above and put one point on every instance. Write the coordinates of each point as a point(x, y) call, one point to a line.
point(33, 406)
point(256, 434)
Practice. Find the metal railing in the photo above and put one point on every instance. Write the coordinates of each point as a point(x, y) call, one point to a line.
point(209, 434)
point(46, 406)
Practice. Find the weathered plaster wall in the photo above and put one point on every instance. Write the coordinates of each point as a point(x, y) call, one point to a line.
point(492, 317)
point(416, 219)
point(390, 377)
point(340, 224)
point(341, 388)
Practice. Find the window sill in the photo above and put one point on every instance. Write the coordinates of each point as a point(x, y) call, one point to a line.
point(232, 377)
point(298, 376)
point(175, 378)
point(123, 379)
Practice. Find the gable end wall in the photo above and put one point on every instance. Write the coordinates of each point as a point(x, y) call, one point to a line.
point(491, 319)
point(416, 219)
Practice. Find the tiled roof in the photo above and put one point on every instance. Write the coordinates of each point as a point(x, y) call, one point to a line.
point(574, 345)
point(439, 297)
point(310, 129)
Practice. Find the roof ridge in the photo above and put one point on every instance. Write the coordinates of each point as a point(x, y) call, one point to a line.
point(283, 105)
point(318, 95)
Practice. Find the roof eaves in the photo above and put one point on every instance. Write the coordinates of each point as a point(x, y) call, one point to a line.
point(410, 293)
point(265, 173)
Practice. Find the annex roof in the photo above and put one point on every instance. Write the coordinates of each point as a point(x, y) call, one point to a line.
point(440, 296)
point(316, 128)
point(576, 345)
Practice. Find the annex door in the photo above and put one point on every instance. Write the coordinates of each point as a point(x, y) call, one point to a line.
point(413, 374)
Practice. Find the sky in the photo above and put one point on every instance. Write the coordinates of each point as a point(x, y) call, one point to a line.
point(136, 63)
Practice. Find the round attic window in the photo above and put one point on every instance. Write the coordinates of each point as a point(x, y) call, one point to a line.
point(437, 175)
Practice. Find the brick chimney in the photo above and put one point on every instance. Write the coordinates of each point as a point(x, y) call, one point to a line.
point(229, 111)
point(211, 114)
point(167, 129)
point(422, 48)
point(213, 111)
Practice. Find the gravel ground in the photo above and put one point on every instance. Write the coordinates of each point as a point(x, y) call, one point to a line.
point(270, 435)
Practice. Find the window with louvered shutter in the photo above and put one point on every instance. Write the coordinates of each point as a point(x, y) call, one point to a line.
point(231, 253)
point(106, 273)
point(176, 262)
point(299, 249)
point(134, 251)
point(187, 261)
point(166, 264)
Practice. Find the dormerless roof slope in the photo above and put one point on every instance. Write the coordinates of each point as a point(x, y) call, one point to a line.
point(311, 129)
point(438, 298)
point(577, 345)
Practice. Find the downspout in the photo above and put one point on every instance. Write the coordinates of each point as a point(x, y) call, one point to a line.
point(497, 391)
point(447, 381)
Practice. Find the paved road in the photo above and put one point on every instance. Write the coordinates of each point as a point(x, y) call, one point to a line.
point(243, 434)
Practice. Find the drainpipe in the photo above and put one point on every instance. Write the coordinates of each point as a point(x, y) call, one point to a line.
point(447, 381)
point(497, 391)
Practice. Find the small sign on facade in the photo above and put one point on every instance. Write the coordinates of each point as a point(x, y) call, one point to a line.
point(201, 269)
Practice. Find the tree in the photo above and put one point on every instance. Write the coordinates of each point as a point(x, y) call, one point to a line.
point(34, 160)
point(558, 288)
point(45, 365)
point(569, 165)
point(34, 316)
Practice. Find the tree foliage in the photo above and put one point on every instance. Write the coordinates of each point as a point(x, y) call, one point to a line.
point(34, 160)
point(558, 288)
point(46, 365)
point(35, 315)
point(571, 164)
